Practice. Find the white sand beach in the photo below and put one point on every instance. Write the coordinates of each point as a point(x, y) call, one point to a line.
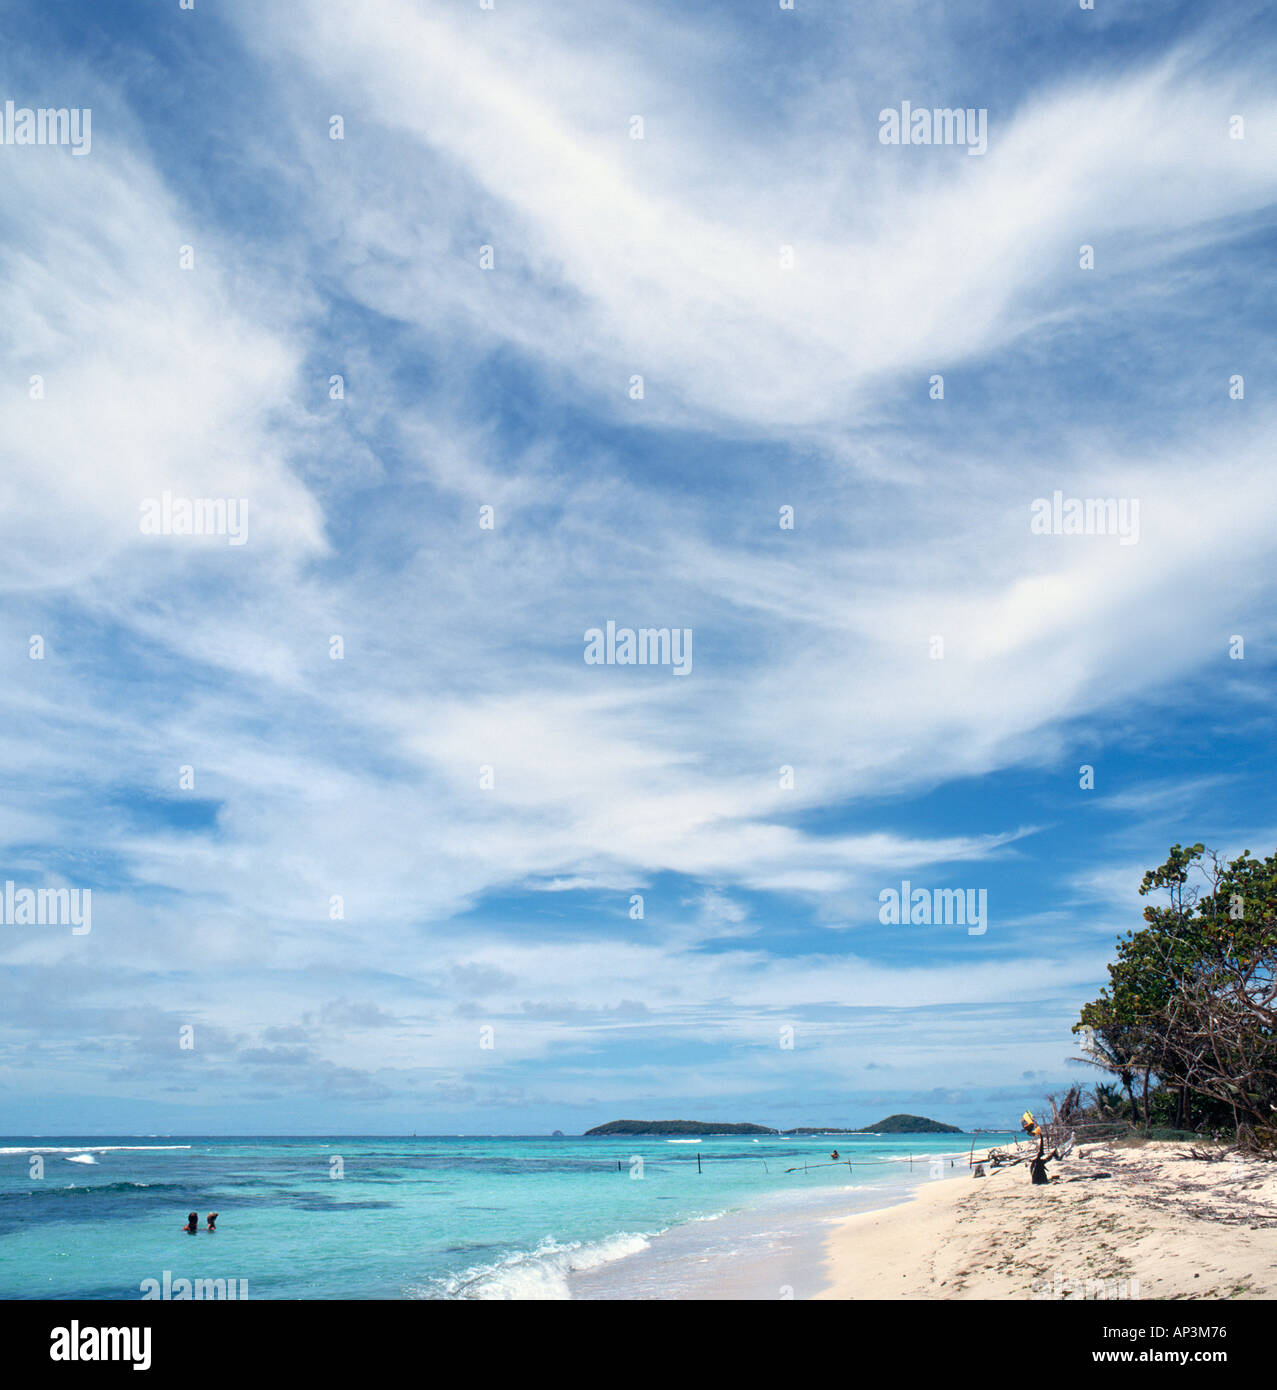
point(1144, 1221)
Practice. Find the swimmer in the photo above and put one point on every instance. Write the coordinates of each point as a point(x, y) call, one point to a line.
point(192, 1223)
point(212, 1221)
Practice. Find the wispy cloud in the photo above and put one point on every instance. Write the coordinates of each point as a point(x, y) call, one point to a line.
point(446, 826)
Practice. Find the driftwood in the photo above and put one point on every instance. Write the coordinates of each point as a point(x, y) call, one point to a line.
point(1209, 1155)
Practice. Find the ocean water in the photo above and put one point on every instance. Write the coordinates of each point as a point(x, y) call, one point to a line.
point(444, 1217)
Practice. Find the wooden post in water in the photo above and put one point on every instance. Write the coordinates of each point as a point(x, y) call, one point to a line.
point(698, 1160)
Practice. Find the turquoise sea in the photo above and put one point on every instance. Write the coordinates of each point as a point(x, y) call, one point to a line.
point(444, 1217)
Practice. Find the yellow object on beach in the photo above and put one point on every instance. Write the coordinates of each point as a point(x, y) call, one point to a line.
point(1027, 1122)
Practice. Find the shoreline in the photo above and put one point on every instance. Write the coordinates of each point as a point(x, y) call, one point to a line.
point(1143, 1221)
point(769, 1248)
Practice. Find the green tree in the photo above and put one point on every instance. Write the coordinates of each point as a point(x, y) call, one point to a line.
point(1192, 997)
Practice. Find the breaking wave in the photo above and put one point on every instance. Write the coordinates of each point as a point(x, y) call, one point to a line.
point(91, 1148)
point(541, 1273)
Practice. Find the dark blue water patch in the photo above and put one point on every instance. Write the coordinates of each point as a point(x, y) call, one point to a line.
point(357, 1172)
point(71, 1205)
point(97, 1294)
point(122, 1201)
point(78, 1189)
point(323, 1204)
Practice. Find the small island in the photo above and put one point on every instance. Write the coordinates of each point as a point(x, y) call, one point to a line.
point(893, 1124)
point(680, 1127)
point(821, 1129)
point(908, 1124)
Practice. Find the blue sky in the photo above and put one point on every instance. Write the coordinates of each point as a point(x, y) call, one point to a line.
point(509, 908)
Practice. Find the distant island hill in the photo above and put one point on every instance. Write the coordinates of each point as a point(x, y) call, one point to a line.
point(893, 1124)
